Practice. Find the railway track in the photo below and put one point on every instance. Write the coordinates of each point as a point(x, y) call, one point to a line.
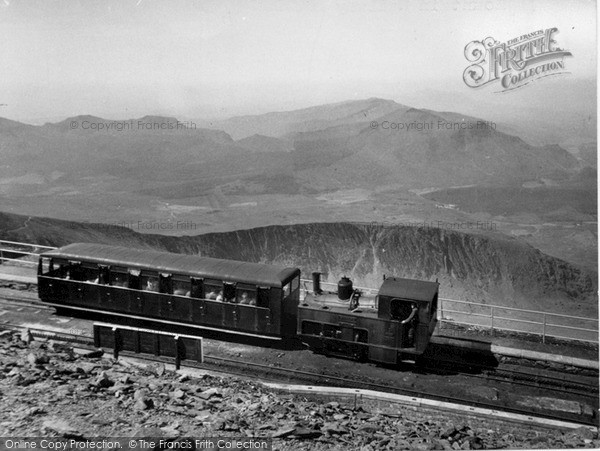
point(559, 383)
point(274, 373)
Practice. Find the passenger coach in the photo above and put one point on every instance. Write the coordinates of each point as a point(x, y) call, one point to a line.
point(237, 297)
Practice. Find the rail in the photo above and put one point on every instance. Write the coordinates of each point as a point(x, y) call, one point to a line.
point(21, 253)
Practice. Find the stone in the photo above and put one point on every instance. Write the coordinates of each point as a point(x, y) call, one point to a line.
point(445, 444)
point(285, 432)
point(369, 428)
point(140, 393)
point(94, 354)
point(157, 368)
point(103, 381)
point(334, 428)
point(200, 414)
point(306, 433)
point(59, 426)
point(37, 358)
point(207, 394)
point(27, 336)
point(143, 404)
point(585, 433)
point(177, 394)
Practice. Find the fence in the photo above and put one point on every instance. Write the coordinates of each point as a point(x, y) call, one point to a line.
point(509, 319)
point(24, 254)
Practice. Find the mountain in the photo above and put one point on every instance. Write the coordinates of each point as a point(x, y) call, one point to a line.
point(261, 143)
point(278, 124)
point(367, 144)
point(421, 148)
point(495, 270)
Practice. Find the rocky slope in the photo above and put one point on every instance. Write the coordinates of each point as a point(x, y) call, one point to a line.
point(479, 268)
point(49, 391)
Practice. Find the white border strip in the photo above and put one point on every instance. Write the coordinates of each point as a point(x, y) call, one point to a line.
point(428, 403)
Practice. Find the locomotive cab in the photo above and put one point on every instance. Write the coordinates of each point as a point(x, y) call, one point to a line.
point(412, 304)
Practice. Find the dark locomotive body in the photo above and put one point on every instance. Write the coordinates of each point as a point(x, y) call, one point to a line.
point(176, 291)
point(393, 325)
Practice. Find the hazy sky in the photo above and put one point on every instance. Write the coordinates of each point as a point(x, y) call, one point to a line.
point(121, 59)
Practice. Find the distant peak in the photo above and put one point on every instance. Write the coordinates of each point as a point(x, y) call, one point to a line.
point(157, 119)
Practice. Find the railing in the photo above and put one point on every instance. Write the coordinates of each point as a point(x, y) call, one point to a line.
point(21, 253)
point(499, 318)
point(511, 319)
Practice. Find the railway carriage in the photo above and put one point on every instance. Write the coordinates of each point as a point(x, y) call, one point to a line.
point(239, 297)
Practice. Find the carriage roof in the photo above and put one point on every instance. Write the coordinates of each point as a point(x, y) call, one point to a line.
point(193, 265)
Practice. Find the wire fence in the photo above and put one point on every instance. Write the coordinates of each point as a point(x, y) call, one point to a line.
point(21, 254)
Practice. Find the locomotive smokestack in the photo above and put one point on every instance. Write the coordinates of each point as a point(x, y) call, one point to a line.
point(345, 289)
point(316, 277)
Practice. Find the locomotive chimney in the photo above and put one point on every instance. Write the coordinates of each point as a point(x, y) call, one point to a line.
point(345, 289)
point(316, 277)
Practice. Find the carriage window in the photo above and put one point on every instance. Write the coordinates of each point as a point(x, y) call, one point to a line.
point(229, 292)
point(286, 290)
point(90, 274)
point(245, 294)
point(213, 290)
point(165, 284)
point(119, 277)
point(149, 282)
point(46, 265)
point(197, 290)
point(76, 271)
point(262, 297)
point(133, 279)
point(61, 269)
point(103, 274)
point(181, 287)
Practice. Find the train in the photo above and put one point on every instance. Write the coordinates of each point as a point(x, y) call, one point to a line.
point(179, 291)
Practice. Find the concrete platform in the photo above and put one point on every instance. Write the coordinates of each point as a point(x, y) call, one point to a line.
point(517, 352)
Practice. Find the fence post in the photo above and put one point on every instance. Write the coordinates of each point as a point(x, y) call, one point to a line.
point(544, 330)
point(492, 309)
point(441, 309)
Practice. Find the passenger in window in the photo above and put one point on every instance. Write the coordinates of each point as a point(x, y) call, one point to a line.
point(151, 285)
point(245, 299)
point(91, 279)
point(120, 281)
point(220, 296)
point(212, 295)
point(179, 289)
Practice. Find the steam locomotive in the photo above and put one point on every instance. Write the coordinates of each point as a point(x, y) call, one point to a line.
point(176, 291)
